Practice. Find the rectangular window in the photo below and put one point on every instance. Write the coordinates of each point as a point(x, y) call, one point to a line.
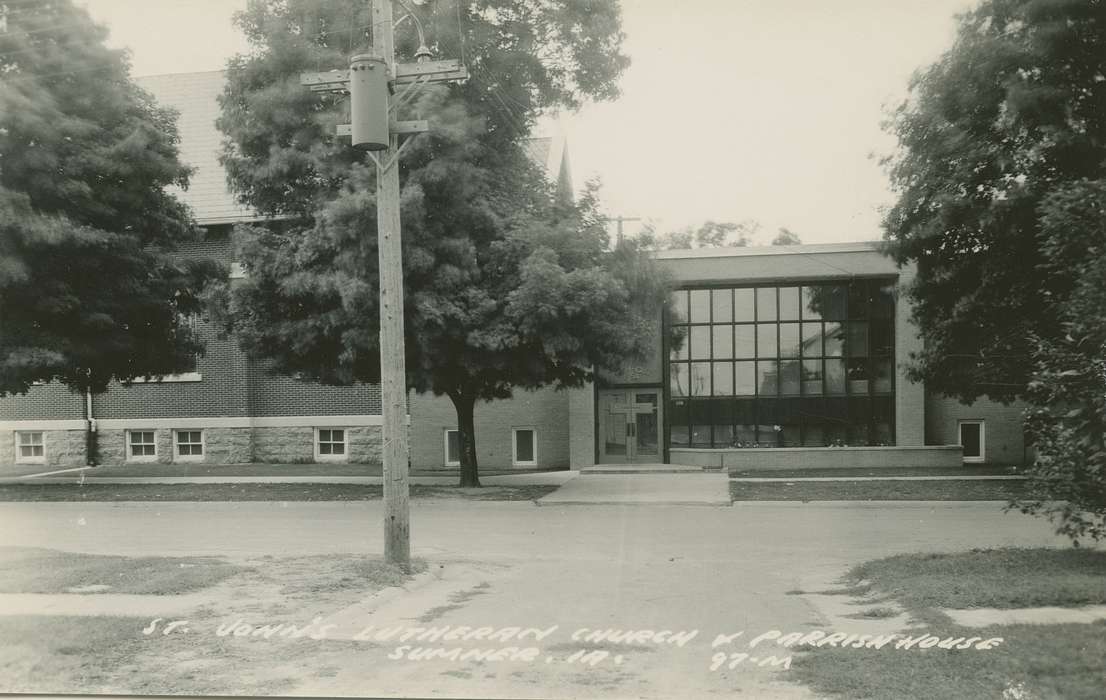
point(972, 438)
point(700, 342)
point(330, 444)
point(766, 340)
point(766, 304)
point(141, 445)
point(679, 379)
point(745, 342)
point(722, 305)
point(723, 342)
point(452, 448)
point(723, 378)
point(743, 305)
point(31, 447)
point(700, 379)
point(789, 340)
point(789, 303)
point(525, 447)
point(813, 298)
point(678, 306)
point(700, 306)
point(745, 379)
point(189, 445)
point(679, 349)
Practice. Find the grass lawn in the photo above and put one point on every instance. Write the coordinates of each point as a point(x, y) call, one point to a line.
point(965, 470)
point(29, 570)
point(799, 490)
point(48, 654)
point(255, 492)
point(1033, 661)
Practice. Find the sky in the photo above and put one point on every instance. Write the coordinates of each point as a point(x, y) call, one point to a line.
point(732, 110)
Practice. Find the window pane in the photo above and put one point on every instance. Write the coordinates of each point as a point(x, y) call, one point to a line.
point(858, 375)
point(678, 379)
point(743, 304)
point(722, 337)
point(723, 378)
point(883, 380)
point(700, 342)
point(834, 340)
point(835, 376)
point(812, 377)
point(678, 309)
point(700, 424)
point(883, 299)
point(789, 303)
point(880, 335)
point(745, 424)
point(339, 448)
point(453, 446)
point(766, 340)
point(789, 340)
point(858, 339)
point(722, 414)
point(324, 436)
point(722, 305)
point(324, 448)
point(858, 299)
point(860, 418)
point(745, 341)
point(789, 377)
point(766, 303)
point(767, 378)
point(833, 306)
point(745, 379)
point(813, 299)
point(679, 350)
point(883, 408)
point(338, 435)
point(700, 306)
point(678, 433)
point(812, 340)
point(524, 445)
point(700, 379)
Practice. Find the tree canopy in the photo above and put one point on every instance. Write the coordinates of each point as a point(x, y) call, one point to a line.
point(88, 289)
point(1013, 113)
point(507, 284)
point(1002, 203)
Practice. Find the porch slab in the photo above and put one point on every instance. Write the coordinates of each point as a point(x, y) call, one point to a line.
point(697, 489)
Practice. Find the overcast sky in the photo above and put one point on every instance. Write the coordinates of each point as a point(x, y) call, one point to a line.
point(732, 109)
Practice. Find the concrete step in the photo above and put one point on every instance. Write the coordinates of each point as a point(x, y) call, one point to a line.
point(646, 469)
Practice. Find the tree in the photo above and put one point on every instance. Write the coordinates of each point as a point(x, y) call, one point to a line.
point(1015, 111)
point(1000, 176)
point(786, 236)
point(711, 234)
point(88, 288)
point(507, 285)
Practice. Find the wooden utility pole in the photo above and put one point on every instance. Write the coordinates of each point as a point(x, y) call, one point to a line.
point(374, 128)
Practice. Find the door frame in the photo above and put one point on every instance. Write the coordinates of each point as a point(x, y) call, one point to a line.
point(629, 388)
point(982, 439)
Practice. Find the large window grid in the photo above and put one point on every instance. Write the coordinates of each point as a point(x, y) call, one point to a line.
point(783, 365)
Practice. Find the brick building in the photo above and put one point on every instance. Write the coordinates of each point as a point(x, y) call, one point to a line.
point(791, 356)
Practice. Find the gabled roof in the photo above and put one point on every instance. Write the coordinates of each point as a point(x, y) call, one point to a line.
point(194, 96)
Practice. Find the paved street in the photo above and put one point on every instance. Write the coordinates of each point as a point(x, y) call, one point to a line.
point(717, 570)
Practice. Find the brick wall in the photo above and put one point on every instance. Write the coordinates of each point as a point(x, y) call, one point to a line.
point(53, 401)
point(545, 410)
point(1004, 437)
point(278, 395)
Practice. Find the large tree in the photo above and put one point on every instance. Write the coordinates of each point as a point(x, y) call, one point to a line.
point(507, 284)
point(1014, 112)
point(88, 289)
point(1000, 175)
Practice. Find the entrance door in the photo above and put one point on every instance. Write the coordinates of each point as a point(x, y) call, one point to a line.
point(629, 426)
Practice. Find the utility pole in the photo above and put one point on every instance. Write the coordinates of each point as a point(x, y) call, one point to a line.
point(371, 82)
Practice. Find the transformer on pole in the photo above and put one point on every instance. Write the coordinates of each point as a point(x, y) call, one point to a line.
point(371, 82)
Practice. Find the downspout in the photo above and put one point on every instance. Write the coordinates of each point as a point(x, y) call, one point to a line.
point(90, 433)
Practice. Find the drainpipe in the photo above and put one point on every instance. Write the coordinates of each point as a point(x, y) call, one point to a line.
point(90, 433)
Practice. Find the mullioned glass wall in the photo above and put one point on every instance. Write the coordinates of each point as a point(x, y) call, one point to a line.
point(783, 365)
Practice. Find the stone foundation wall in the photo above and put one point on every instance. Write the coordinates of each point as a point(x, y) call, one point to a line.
point(64, 448)
point(228, 445)
point(296, 445)
point(771, 458)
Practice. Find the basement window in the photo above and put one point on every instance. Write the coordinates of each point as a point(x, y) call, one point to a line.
point(525, 447)
point(452, 448)
point(189, 445)
point(31, 447)
point(330, 445)
point(141, 446)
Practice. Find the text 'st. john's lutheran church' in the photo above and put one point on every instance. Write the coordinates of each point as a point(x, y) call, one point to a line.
point(792, 356)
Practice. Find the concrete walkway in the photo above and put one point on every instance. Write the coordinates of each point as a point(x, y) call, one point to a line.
point(652, 489)
point(530, 479)
point(984, 617)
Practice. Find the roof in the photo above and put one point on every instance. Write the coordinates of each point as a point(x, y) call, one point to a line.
point(195, 97)
point(745, 251)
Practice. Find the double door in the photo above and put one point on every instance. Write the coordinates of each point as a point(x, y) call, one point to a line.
point(629, 426)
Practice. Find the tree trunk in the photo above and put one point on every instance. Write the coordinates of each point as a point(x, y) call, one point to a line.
point(466, 430)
